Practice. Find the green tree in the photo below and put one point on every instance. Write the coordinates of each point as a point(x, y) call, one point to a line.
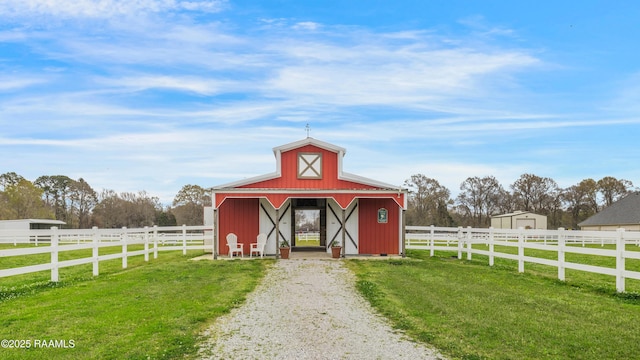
point(24, 201)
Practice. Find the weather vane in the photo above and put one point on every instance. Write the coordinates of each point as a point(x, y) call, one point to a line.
point(308, 129)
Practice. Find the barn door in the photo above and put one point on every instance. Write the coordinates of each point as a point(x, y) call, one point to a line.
point(268, 224)
point(335, 226)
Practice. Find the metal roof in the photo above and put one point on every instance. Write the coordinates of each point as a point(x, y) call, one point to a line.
point(623, 212)
point(37, 221)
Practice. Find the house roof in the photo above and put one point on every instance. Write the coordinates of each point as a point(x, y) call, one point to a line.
point(623, 212)
point(515, 213)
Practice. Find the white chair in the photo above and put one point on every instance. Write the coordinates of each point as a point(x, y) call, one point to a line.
point(234, 247)
point(258, 247)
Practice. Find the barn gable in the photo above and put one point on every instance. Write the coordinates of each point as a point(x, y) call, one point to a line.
point(309, 164)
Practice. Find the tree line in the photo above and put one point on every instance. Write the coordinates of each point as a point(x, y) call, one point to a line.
point(481, 197)
point(80, 206)
point(77, 204)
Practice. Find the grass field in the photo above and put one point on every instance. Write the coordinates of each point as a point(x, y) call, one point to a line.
point(466, 309)
point(302, 240)
point(150, 310)
point(471, 311)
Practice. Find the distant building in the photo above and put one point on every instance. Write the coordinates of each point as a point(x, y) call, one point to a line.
point(624, 213)
point(16, 231)
point(519, 219)
point(29, 224)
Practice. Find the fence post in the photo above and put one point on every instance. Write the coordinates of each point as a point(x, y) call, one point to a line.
point(491, 246)
point(124, 247)
point(432, 242)
point(620, 263)
point(184, 239)
point(54, 254)
point(146, 243)
point(96, 240)
point(468, 239)
point(521, 249)
point(561, 245)
point(460, 241)
point(155, 241)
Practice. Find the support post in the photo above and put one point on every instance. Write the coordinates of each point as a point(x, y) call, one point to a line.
point(404, 234)
point(561, 245)
point(215, 234)
point(124, 239)
point(460, 241)
point(344, 232)
point(96, 242)
point(432, 241)
point(620, 263)
point(491, 246)
point(155, 241)
point(146, 243)
point(278, 234)
point(469, 243)
point(54, 254)
point(184, 239)
point(520, 249)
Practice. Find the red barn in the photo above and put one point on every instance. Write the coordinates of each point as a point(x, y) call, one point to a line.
point(363, 214)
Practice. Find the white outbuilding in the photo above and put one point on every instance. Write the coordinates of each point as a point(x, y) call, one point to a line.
point(29, 224)
point(519, 219)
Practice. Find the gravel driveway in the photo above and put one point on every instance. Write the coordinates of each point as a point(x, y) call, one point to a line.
point(308, 309)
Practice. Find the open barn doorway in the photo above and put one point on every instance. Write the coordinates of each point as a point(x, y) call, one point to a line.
point(309, 224)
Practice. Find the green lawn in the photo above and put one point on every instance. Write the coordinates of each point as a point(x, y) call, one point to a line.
point(153, 310)
point(469, 310)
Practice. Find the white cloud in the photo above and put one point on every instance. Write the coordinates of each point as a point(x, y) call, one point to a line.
point(8, 83)
point(102, 8)
point(181, 83)
point(307, 25)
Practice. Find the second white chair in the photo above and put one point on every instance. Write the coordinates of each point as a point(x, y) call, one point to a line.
point(258, 247)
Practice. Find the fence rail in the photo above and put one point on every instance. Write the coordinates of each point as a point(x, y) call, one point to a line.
point(153, 240)
point(461, 240)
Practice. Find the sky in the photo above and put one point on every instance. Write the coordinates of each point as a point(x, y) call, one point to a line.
point(152, 95)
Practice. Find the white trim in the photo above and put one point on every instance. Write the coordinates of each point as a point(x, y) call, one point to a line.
point(304, 191)
point(310, 141)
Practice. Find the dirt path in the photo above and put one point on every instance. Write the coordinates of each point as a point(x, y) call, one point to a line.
point(308, 309)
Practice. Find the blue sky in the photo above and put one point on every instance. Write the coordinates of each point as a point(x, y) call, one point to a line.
point(154, 95)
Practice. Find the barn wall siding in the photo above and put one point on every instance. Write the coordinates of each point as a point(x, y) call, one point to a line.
point(377, 238)
point(239, 216)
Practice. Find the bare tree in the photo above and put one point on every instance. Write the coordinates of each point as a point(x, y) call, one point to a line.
point(126, 209)
point(613, 189)
point(479, 198)
point(189, 204)
point(428, 202)
point(536, 194)
point(580, 201)
point(82, 198)
point(56, 194)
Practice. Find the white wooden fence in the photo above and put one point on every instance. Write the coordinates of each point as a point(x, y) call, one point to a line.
point(461, 240)
point(54, 241)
